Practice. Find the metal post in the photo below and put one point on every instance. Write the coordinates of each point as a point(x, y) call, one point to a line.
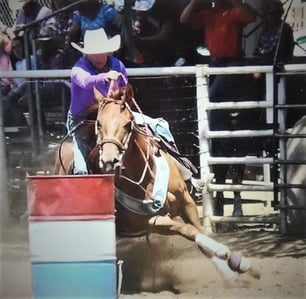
point(269, 97)
point(4, 198)
point(30, 89)
point(282, 154)
point(275, 150)
point(202, 100)
point(37, 100)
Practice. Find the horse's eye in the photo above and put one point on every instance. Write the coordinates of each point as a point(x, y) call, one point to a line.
point(128, 126)
point(98, 126)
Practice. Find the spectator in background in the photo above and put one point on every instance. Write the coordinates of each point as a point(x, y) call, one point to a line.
point(31, 11)
point(48, 53)
point(19, 57)
point(160, 37)
point(91, 15)
point(5, 65)
point(61, 24)
point(5, 30)
point(275, 46)
point(49, 57)
point(12, 111)
point(272, 34)
point(223, 22)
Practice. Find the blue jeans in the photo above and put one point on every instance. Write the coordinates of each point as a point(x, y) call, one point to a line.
point(80, 151)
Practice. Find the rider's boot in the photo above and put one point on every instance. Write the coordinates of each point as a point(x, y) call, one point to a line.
point(197, 186)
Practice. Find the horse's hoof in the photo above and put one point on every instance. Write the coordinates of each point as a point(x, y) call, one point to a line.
point(237, 262)
point(234, 261)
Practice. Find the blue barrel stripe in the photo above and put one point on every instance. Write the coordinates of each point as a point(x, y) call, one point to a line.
point(90, 280)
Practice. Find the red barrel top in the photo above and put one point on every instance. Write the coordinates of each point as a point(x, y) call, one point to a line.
point(74, 197)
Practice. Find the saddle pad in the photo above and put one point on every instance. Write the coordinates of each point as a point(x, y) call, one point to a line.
point(159, 194)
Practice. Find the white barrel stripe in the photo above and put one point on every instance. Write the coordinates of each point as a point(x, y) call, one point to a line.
point(68, 241)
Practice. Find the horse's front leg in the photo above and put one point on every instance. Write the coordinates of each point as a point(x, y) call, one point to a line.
point(167, 226)
point(219, 254)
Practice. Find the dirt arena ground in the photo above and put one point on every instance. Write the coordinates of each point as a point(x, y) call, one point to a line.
point(171, 267)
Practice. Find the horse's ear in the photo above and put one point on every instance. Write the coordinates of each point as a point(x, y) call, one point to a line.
point(98, 95)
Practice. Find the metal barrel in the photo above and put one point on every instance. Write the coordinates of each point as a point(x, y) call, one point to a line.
point(72, 236)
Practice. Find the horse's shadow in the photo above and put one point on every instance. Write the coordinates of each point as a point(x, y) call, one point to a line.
point(265, 244)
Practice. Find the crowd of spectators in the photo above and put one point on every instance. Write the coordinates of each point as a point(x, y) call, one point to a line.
point(164, 33)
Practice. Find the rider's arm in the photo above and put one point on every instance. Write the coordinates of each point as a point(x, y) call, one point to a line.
point(84, 79)
point(193, 7)
point(248, 13)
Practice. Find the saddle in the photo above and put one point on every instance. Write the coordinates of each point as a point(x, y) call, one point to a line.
point(171, 148)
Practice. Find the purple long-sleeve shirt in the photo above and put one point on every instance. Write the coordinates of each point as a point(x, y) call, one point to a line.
point(83, 79)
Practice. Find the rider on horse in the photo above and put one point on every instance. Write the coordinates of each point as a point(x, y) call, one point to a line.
point(97, 68)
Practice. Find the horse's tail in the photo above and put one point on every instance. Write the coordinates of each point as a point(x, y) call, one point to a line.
point(57, 165)
point(63, 158)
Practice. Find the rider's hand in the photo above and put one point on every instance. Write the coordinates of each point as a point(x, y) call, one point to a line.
point(111, 75)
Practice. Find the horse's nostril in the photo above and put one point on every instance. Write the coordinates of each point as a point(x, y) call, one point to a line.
point(108, 169)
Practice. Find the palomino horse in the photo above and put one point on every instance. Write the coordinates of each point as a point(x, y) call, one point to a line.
point(151, 195)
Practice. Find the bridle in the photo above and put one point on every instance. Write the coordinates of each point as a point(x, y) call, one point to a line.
point(121, 146)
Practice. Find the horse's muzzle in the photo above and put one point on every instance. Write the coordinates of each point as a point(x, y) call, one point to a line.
point(110, 158)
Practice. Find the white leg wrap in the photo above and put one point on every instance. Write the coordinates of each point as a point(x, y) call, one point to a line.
point(222, 266)
point(245, 264)
point(218, 249)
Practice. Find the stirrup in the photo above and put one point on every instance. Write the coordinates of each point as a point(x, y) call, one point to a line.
point(197, 186)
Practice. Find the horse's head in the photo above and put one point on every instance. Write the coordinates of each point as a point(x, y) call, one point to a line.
point(114, 127)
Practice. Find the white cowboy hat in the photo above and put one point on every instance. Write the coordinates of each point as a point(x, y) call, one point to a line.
point(143, 5)
point(97, 42)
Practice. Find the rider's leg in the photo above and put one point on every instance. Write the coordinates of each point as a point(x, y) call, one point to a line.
point(195, 186)
point(79, 149)
point(80, 166)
